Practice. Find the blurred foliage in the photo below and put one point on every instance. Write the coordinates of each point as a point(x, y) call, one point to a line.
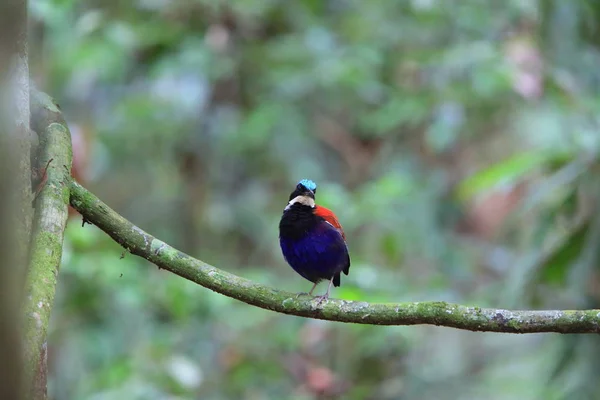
point(456, 141)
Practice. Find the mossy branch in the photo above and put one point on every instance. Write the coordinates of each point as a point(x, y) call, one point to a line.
point(142, 244)
point(50, 219)
point(51, 212)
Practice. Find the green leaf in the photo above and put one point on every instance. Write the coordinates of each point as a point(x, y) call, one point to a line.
point(507, 172)
point(554, 270)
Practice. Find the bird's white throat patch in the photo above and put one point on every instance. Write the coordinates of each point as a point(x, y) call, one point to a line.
point(304, 200)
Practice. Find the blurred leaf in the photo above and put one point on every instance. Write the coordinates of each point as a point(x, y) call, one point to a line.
point(507, 172)
point(258, 127)
point(557, 264)
point(409, 110)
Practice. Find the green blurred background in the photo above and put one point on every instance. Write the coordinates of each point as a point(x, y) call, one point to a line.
point(455, 140)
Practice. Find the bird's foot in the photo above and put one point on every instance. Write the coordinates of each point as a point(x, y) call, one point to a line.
point(321, 299)
point(301, 294)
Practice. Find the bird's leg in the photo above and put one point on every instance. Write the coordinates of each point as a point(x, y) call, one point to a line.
point(309, 293)
point(326, 295)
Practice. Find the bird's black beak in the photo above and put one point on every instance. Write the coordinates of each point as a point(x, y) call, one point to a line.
point(309, 193)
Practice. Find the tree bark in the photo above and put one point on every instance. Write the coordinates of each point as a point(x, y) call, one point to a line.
point(15, 101)
point(10, 334)
point(15, 189)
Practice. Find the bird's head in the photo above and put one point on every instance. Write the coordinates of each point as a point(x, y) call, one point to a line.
point(304, 193)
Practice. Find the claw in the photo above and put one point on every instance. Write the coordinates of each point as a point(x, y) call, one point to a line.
point(322, 298)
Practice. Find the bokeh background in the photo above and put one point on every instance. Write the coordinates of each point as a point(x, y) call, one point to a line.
point(456, 141)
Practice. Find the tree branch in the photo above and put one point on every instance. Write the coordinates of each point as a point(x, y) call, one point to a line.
point(51, 212)
point(438, 313)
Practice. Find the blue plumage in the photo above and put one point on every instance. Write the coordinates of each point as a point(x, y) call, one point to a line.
point(320, 254)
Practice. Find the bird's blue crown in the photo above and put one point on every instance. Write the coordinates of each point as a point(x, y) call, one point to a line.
point(307, 183)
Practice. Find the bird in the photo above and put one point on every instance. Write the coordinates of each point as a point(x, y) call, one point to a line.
point(312, 240)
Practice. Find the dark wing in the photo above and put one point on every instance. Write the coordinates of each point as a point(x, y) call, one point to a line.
point(330, 218)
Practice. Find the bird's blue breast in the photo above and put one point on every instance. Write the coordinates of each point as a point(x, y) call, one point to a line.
point(319, 253)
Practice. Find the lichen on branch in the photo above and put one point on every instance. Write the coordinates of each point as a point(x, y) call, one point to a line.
point(142, 244)
point(50, 218)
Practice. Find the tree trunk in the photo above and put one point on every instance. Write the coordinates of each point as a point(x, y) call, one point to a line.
point(15, 190)
point(15, 110)
point(10, 343)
